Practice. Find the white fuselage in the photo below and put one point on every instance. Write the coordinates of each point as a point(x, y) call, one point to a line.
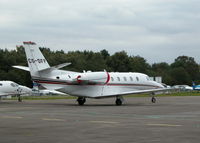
point(11, 88)
point(97, 84)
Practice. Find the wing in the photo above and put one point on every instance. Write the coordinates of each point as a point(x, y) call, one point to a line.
point(12, 94)
point(7, 94)
point(57, 92)
point(139, 92)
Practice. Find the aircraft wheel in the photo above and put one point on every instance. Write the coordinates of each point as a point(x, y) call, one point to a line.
point(118, 102)
point(19, 99)
point(153, 100)
point(81, 100)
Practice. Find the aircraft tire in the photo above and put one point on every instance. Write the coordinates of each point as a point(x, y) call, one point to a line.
point(118, 102)
point(153, 100)
point(81, 100)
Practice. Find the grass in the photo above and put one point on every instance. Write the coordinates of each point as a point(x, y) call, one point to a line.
point(50, 97)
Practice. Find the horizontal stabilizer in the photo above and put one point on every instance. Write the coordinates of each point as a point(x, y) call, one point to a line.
point(55, 67)
point(50, 68)
point(22, 68)
point(61, 65)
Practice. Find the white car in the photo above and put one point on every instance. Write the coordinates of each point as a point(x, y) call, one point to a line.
point(183, 87)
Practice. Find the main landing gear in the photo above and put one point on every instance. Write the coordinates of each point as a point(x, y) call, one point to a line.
point(119, 100)
point(81, 100)
point(19, 90)
point(153, 100)
point(19, 98)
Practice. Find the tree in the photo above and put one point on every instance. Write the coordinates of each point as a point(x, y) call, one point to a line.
point(179, 76)
point(139, 64)
point(184, 70)
point(119, 62)
point(163, 70)
point(104, 53)
point(189, 65)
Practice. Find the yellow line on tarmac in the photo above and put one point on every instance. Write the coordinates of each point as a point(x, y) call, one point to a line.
point(164, 125)
point(12, 117)
point(52, 119)
point(104, 122)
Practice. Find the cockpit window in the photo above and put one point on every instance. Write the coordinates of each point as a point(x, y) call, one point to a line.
point(137, 78)
point(112, 78)
point(14, 85)
point(147, 78)
point(125, 79)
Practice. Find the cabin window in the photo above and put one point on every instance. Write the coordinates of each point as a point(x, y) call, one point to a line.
point(112, 78)
point(57, 77)
point(131, 79)
point(125, 79)
point(1, 84)
point(69, 76)
point(137, 78)
point(118, 78)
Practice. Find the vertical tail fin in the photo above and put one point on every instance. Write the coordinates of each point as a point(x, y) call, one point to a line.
point(35, 86)
point(193, 85)
point(35, 58)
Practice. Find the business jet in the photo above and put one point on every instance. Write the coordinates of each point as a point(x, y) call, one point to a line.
point(10, 88)
point(101, 84)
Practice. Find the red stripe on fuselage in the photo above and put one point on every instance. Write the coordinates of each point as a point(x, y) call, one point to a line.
point(111, 84)
point(108, 78)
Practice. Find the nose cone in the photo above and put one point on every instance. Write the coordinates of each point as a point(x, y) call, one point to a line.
point(29, 90)
point(161, 86)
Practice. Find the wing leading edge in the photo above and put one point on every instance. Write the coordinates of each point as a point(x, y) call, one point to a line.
point(138, 92)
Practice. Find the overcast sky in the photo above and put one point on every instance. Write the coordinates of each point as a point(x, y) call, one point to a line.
point(158, 30)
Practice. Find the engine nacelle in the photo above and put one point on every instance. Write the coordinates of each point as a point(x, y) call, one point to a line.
point(93, 78)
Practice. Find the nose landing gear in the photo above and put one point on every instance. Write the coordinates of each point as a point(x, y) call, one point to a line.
point(119, 100)
point(81, 100)
point(153, 99)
